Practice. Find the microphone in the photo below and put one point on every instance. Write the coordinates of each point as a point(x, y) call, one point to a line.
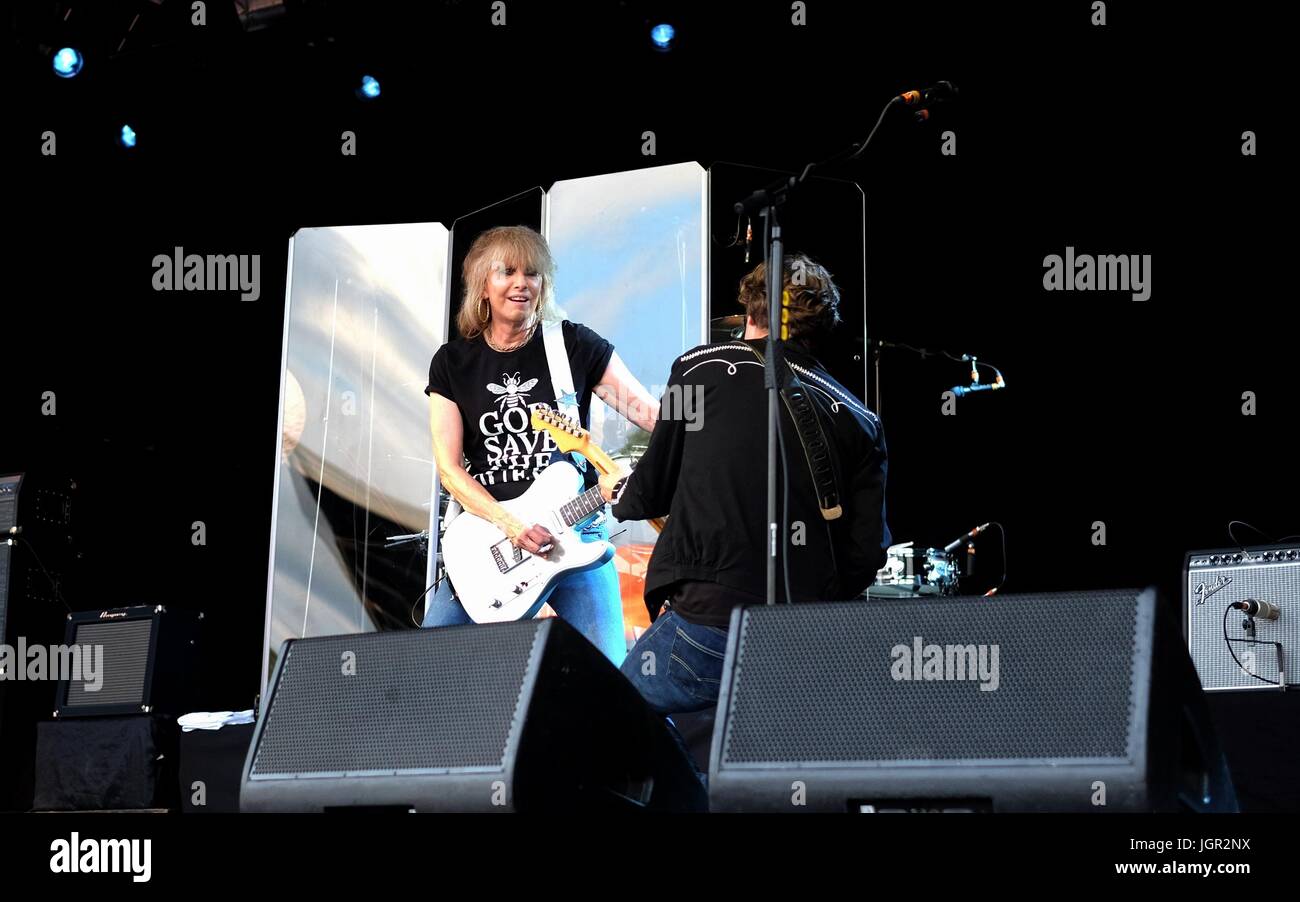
point(407, 538)
point(960, 390)
point(1260, 609)
point(936, 93)
point(957, 543)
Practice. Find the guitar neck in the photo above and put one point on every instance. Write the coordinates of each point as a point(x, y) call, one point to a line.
point(581, 507)
point(570, 436)
point(599, 459)
point(605, 464)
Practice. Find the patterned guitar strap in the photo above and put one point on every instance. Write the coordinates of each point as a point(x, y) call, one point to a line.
point(823, 465)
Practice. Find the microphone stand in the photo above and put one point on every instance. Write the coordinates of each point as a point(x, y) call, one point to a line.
point(765, 202)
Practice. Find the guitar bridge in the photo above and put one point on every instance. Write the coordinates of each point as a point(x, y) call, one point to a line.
point(507, 556)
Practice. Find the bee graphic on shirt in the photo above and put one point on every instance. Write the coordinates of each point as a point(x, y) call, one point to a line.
point(513, 393)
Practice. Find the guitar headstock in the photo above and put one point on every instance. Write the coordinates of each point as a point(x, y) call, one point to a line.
point(568, 435)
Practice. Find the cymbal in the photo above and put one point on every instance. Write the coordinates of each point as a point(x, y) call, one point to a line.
point(727, 322)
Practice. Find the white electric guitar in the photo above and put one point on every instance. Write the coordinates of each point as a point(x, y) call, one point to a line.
point(496, 581)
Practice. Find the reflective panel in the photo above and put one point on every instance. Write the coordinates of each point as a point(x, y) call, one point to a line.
point(824, 219)
point(366, 309)
point(631, 249)
point(524, 208)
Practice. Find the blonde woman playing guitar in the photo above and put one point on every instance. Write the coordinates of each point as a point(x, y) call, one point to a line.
point(481, 390)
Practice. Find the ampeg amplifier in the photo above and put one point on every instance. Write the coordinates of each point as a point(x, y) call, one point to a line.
point(1243, 616)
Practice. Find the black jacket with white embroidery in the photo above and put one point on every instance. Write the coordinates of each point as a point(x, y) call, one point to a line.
point(706, 468)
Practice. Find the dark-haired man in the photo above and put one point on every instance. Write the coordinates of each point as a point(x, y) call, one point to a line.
point(711, 480)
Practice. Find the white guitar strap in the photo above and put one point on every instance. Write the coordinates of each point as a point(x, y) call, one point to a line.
point(557, 358)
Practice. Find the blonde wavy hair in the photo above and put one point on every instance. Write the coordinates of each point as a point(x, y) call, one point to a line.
point(516, 246)
point(814, 297)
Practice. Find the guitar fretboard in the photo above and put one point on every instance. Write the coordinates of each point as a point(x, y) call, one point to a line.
point(582, 507)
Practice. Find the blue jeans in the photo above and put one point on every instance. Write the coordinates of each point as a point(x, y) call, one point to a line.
point(590, 601)
point(677, 665)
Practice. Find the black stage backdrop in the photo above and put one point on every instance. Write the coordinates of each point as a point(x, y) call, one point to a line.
point(1117, 139)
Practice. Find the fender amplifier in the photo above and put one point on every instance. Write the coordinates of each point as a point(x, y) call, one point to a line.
point(1230, 648)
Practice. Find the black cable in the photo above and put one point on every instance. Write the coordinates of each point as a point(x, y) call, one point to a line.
point(1228, 641)
point(421, 598)
point(1002, 531)
point(870, 135)
point(926, 352)
point(1263, 535)
point(54, 586)
point(736, 240)
point(837, 157)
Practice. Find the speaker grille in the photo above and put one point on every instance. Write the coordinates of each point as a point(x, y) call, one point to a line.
point(124, 667)
point(1277, 583)
point(419, 702)
point(815, 683)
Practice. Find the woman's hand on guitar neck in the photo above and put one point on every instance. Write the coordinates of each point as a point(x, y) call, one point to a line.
point(611, 486)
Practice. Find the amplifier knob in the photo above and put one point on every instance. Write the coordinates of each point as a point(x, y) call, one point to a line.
point(1214, 559)
point(1236, 558)
point(1268, 555)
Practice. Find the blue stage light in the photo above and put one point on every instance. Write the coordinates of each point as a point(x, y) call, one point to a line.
point(369, 87)
point(662, 35)
point(127, 138)
point(67, 62)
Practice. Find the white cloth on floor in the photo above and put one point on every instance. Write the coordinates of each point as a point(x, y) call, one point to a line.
point(213, 720)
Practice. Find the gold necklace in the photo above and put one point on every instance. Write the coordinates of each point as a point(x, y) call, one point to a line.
point(487, 337)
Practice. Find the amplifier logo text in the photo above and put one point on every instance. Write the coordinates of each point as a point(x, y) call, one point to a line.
point(1203, 591)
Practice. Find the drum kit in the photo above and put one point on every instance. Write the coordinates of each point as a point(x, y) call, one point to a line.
point(910, 572)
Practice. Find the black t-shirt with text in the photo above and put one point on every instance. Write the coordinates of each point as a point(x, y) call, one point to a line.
point(494, 392)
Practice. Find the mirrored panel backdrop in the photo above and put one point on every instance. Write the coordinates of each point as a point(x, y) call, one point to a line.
point(366, 307)
point(825, 219)
point(632, 255)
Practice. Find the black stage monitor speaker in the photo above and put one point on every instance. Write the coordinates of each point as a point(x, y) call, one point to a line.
point(135, 660)
point(1080, 701)
point(495, 717)
point(39, 567)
